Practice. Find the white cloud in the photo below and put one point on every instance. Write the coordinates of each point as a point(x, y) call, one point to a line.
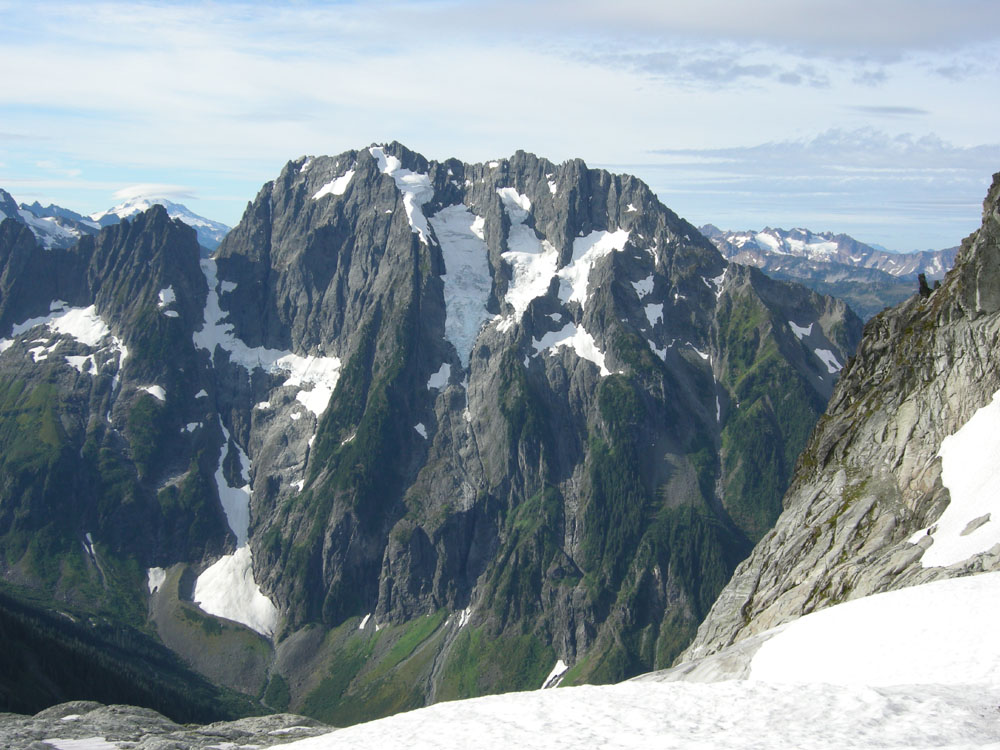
point(212, 98)
point(878, 28)
point(903, 191)
point(154, 190)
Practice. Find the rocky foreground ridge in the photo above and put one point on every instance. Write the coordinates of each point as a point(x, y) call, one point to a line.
point(89, 724)
point(445, 428)
point(866, 510)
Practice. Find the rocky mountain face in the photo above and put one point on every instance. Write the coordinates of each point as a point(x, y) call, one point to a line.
point(417, 430)
point(891, 489)
point(867, 278)
point(60, 228)
point(54, 227)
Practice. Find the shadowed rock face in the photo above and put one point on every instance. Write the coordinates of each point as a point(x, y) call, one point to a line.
point(496, 415)
point(870, 477)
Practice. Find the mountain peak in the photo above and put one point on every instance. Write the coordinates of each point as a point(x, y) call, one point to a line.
point(210, 232)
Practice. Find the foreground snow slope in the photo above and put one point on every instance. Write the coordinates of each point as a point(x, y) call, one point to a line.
point(930, 648)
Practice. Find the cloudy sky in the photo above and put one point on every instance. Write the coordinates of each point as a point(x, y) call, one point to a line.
point(879, 118)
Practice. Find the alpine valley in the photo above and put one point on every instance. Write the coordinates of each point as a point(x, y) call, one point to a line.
point(414, 431)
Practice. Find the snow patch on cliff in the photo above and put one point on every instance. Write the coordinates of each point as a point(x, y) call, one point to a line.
point(316, 377)
point(578, 339)
point(416, 189)
point(467, 278)
point(337, 186)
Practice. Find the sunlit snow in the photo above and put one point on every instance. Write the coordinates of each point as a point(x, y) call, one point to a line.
point(970, 469)
point(661, 353)
point(79, 362)
point(440, 378)
point(715, 283)
point(166, 297)
point(941, 633)
point(316, 377)
point(87, 743)
point(467, 279)
point(532, 260)
point(577, 338)
point(654, 313)
point(227, 589)
point(829, 359)
point(800, 331)
point(80, 323)
point(703, 355)
point(586, 252)
point(644, 287)
point(336, 186)
point(556, 675)
point(421, 430)
point(155, 578)
point(916, 669)
point(156, 391)
point(235, 500)
point(416, 189)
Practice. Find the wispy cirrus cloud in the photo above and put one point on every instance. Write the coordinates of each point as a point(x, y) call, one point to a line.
point(155, 190)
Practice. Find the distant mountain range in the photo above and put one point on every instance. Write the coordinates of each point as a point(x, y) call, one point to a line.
point(58, 227)
point(866, 277)
point(210, 233)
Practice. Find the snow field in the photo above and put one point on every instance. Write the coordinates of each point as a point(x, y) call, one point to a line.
point(156, 391)
point(315, 376)
point(155, 578)
point(829, 359)
point(586, 252)
point(941, 633)
point(654, 313)
point(337, 186)
point(535, 264)
point(578, 339)
point(80, 323)
point(227, 589)
point(533, 261)
point(440, 378)
point(416, 189)
point(644, 287)
point(467, 278)
point(915, 668)
point(688, 716)
point(800, 331)
point(88, 743)
point(969, 464)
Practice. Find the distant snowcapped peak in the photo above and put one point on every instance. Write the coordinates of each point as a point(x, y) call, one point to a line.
point(210, 233)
